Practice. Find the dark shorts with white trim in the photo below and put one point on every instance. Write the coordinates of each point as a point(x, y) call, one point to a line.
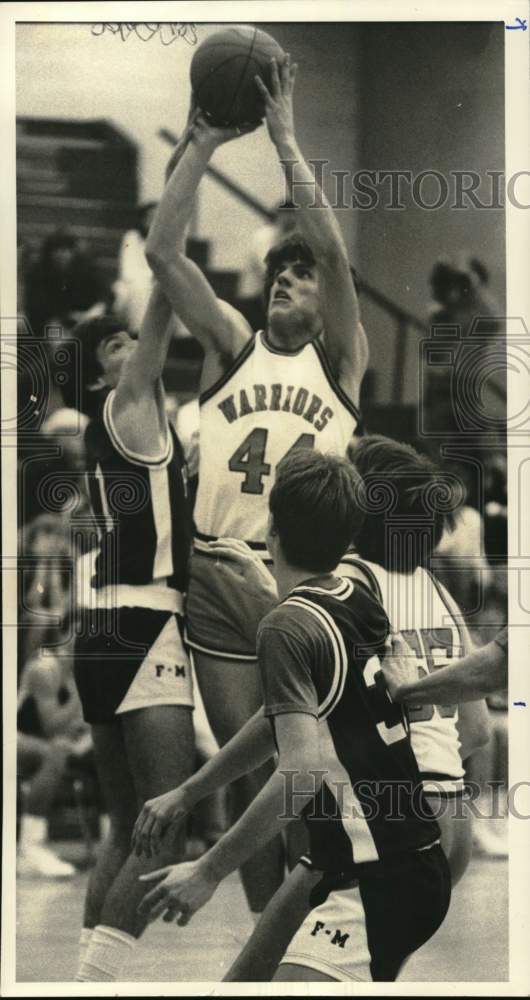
point(366, 922)
point(221, 617)
point(130, 658)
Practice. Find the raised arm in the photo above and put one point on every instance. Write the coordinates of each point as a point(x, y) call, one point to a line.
point(345, 339)
point(216, 325)
point(138, 410)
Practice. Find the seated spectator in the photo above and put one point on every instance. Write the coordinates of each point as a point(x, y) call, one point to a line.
point(461, 293)
point(58, 452)
point(52, 737)
point(64, 286)
point(46, 565)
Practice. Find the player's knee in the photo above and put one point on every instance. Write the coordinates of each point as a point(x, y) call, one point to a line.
point(121, 824)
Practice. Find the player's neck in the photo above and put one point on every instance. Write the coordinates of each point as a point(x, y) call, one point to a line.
point(287, 338)
point(288, 577)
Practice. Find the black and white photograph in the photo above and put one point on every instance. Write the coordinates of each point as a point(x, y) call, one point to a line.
point(265, 428)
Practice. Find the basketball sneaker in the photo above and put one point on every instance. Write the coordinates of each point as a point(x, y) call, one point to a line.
point(41, 862)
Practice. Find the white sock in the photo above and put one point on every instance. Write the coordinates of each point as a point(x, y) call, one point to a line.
point(33, 831)
point(105, 956)
point(84, 941)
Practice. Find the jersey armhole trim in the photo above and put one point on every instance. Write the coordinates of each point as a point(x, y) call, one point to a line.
point(337, 388)
point(338, 649)
point(137, 458)
point(368, 573)
point(240, 358)
point(341, 592)
point(446, 604)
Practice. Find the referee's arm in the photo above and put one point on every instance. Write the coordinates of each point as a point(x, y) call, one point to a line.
point(474, 676)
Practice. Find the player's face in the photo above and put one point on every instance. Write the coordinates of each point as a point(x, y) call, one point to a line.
point(112, 353)
point(295, 295)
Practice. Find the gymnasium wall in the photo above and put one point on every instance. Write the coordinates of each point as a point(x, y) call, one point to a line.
point(432, 98)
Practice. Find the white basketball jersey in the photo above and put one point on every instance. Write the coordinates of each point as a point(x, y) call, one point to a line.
point(416, 607)
point(266, 404)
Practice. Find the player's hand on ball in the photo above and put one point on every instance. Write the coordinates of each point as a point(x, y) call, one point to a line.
point(207, 134)
point(155, 819)
point(279, 102)
point(398, 665)
point(180, 892)
point(238, 562)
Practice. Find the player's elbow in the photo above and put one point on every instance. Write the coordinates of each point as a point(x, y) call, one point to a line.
point(157, 259)
point(168, 268)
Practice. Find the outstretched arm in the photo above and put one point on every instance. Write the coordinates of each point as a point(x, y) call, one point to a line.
point(181, 890)
point(346, 341)
point(215, 324)
point(476, 675)
point(249, 748)
point(138, 410)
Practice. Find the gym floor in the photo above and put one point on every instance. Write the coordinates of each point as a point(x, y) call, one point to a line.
point(471, 946)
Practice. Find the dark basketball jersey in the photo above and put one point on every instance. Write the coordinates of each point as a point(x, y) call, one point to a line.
point(319, 653)
point(141, 509)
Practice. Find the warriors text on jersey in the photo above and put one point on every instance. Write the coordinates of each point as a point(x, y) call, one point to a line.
point(417, 606)
point(141, 511)
point(318, 654)
point(266, 404)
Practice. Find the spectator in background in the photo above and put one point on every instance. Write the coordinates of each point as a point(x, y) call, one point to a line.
point(253, 272)
point(135, 278)
point(60, 454)
point(496, 508)
point(460, 559)
point(46, 563)
point(461, 292)
point(51, 738)
point(63, 286)
point(470, 387)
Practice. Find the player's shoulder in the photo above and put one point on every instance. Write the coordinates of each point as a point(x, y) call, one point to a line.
point(292, 619)
point(366, 612)
point(285, 615)
point(240, 329)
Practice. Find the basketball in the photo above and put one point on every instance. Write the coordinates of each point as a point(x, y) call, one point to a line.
point(223, 70)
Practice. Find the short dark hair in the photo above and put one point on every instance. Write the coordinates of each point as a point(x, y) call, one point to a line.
point(317, 508)
point(292, 248)
point(91, 334)
point(409, 503)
